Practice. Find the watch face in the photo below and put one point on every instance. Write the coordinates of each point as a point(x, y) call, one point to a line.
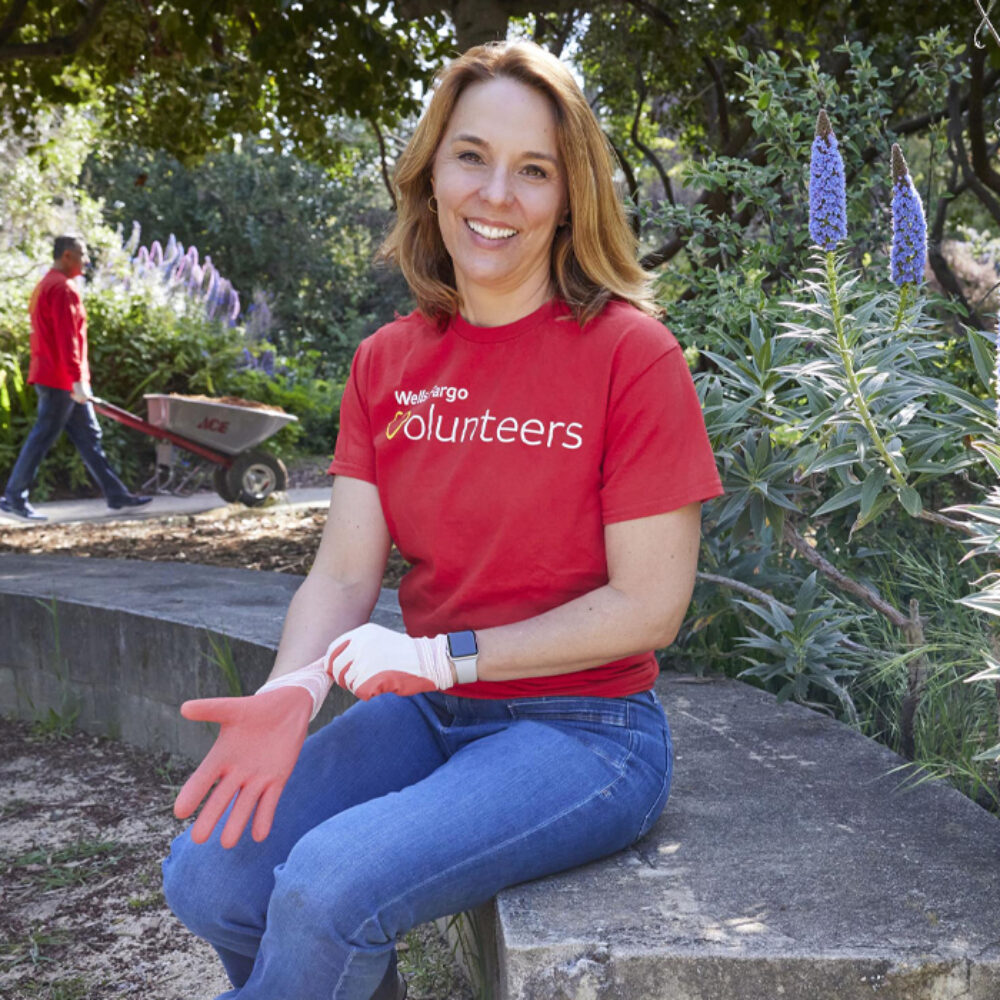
point(462, 643)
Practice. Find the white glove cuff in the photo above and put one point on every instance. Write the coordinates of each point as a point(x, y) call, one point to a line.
point(435, 663)
point(313, 677)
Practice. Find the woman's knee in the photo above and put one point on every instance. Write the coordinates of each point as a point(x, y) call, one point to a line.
point(201, 888)
point(332, 885)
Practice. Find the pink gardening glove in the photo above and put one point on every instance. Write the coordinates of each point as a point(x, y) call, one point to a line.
point(253, 755)
point(377, 660)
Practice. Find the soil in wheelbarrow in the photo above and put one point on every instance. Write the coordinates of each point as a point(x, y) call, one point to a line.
point(250, 404)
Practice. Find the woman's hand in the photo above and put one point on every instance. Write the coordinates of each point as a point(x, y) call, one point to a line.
point(377, 660)
point(252, 757)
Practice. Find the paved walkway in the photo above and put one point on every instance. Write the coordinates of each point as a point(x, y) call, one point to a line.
point(162, 505)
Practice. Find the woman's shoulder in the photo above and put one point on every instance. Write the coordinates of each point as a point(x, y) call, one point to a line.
point(403, 325)
point(400, 328)
point(630, 331)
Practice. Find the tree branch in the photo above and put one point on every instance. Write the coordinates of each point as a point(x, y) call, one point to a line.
point(760, 596)
point(544, 28)
point(633, 184)
point(654, 12)
point(977, 130)
point(646, 151)
point(959, 156)
point(720, 98)
point(845, 583)
point(676, 243)
point(383, 160)
point(920, 122)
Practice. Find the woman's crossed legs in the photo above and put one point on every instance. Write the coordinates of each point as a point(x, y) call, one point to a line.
point(404, 810)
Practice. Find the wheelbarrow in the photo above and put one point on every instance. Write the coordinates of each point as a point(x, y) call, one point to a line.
point(224, 436)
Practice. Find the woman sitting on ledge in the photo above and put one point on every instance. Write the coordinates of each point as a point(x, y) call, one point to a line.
point(531, 440)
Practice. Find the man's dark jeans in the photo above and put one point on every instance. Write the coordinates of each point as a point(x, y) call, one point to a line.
point(57, 412)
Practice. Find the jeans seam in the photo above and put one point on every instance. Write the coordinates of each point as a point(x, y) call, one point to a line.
point(643, 828)
point(510, 840)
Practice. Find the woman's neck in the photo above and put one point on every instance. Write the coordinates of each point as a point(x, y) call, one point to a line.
point(480, 307)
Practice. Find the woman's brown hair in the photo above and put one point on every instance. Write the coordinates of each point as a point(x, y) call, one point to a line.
point(593, 256)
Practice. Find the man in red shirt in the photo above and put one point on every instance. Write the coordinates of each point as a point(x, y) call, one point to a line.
point(61, 377)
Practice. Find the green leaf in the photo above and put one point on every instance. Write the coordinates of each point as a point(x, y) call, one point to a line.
point(844, 498)
point(870, 490)
point(910, 499)
point(882, 503)
point(982, 349)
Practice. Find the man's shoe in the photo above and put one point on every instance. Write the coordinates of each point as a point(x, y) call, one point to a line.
point(23, 509)
point(133, 500)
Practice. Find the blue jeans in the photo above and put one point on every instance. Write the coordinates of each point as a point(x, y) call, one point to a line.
point(403, 810)
point(57, 412)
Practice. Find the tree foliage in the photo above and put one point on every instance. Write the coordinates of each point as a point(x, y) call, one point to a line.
point(185, 76)
point(293, 240)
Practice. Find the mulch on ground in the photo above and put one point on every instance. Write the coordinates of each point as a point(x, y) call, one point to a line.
point(276, 539)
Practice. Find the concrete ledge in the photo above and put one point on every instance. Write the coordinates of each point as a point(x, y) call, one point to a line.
point(124, 643)
point(789, 864)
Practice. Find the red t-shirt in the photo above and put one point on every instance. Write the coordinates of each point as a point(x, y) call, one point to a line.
point(500, 453)
point(58, 333)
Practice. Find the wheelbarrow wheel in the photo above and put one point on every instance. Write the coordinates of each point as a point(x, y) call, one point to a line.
point(254, 476)
point(220, 482)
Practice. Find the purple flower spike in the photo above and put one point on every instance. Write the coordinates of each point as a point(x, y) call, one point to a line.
point(155, 253)
point(909, 229)
point(234, 307)
point(180, 271)
point(827, 188)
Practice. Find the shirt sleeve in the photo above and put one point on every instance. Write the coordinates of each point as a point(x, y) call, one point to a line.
point(354, 454)
point(657, 456)
point(67, 325)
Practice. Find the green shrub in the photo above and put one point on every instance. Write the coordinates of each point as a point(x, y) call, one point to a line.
point(841, 409)
point(139, 344)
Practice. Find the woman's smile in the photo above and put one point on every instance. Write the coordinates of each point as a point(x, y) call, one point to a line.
point(490, 232)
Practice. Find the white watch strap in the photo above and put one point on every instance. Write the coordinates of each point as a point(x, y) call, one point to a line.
point(465, 669)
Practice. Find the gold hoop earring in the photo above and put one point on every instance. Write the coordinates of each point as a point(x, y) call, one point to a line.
point(432, 208)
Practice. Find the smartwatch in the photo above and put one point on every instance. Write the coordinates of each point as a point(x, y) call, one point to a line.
point(463, 651)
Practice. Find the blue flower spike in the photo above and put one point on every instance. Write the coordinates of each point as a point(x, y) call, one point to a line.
point(909, 229)
point(827, 188)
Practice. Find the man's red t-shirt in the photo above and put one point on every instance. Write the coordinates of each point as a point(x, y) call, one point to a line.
point(58, 333)
point(500, 453)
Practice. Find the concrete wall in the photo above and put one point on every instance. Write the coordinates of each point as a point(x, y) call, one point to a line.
point(117, 648)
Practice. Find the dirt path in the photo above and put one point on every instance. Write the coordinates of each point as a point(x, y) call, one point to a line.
point(277, 539)
point(84, 823)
